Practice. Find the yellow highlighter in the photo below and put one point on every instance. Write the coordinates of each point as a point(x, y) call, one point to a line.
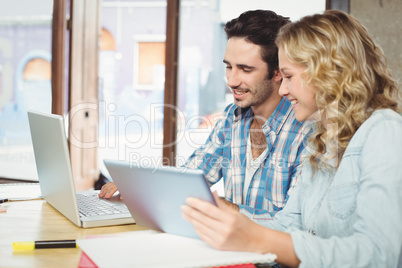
point(31, 245)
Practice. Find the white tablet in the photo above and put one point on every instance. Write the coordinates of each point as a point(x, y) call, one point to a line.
point(154, 195)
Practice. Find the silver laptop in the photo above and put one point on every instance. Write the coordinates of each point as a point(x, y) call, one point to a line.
point(154, 195)
point(84, 209)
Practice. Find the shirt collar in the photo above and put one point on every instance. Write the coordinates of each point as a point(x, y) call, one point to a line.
point(240, 111)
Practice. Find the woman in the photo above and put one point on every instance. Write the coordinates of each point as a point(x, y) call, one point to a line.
point(346, 210)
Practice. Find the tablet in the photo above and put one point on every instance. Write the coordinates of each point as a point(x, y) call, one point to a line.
point(154, 195)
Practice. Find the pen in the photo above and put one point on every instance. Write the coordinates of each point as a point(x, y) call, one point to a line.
point(3, 200)
point(31, 245)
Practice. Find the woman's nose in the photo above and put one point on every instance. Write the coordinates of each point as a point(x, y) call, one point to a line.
point(283, 89)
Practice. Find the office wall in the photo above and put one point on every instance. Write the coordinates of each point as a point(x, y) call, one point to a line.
point(294, 9)
point(383, 20)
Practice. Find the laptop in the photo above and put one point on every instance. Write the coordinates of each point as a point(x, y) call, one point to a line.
point(154, 195)
point(84, 209)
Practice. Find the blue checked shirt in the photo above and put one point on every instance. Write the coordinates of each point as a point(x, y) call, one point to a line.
point(224, 156)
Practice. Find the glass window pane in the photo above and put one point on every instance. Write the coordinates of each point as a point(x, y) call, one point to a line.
point(202, 90)
point(25, 70)
point(132, 71)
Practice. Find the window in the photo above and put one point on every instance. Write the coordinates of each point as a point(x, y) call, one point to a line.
point(25, 57)
point(131, 75)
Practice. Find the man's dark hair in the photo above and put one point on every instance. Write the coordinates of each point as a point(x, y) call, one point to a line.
point(259, 27)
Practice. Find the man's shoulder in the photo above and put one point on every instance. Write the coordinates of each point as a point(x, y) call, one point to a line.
point(291, 119)
point(303, 127)
point(290, 124)
point(284, 114)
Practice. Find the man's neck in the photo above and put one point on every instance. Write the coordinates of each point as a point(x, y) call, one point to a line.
point(263, 111)
point(261, 114)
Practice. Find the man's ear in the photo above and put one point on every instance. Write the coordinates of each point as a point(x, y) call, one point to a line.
point(277, 76)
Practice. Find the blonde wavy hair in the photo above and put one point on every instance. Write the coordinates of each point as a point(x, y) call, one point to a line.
point(349, 73)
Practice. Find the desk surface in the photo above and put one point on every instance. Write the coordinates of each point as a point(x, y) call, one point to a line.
point(37, 220)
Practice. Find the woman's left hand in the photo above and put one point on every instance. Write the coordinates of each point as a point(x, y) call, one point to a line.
point(221, 226)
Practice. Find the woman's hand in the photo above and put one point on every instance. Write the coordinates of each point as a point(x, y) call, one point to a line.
point(225, 228)
point(221, 226)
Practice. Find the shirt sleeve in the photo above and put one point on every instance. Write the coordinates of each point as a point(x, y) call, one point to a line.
point(209, 157)
point(376, 238)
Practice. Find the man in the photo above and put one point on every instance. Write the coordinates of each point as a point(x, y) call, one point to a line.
point(256, 147)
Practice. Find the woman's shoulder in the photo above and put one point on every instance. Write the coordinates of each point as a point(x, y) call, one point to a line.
point(382, 121)
point(387, 116)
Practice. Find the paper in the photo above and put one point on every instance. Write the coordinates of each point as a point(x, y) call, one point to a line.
point(20, 191)
point(154, 249)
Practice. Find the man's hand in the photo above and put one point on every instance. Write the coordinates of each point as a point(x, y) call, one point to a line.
point(108, 190)
point(230, 204)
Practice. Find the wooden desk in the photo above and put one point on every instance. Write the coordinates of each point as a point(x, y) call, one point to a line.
point(37, 220)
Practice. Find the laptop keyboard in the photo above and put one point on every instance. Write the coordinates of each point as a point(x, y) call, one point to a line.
point(90, 204)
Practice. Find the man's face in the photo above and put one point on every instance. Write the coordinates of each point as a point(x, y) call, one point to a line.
point(247, 73)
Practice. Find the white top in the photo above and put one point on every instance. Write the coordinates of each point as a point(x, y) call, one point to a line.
point(251, 166)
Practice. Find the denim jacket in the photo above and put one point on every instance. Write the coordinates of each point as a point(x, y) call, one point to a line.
point(352, 216)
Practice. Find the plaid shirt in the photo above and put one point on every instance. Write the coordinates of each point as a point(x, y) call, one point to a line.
point(224, 156)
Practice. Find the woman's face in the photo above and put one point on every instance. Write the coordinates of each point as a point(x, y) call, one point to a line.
point(301, 95)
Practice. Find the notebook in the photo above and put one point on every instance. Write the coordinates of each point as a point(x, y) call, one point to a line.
point(154, 249)
point(154, 195)
point(56, 180)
